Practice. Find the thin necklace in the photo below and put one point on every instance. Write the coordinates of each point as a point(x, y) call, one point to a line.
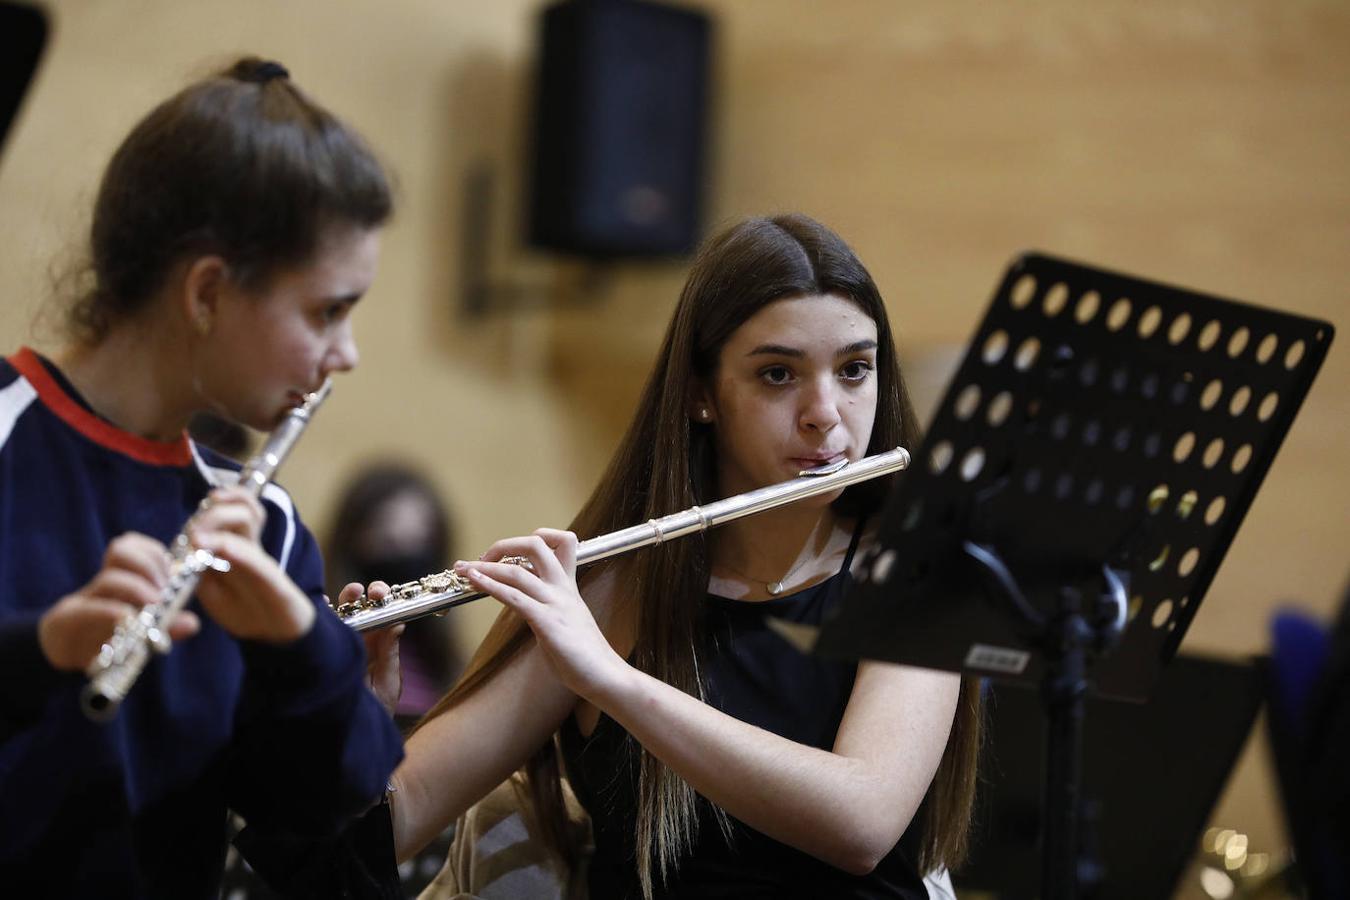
point(773, 588)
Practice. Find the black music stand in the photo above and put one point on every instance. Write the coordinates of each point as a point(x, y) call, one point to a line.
point(1202, 710)
point(1083, 477)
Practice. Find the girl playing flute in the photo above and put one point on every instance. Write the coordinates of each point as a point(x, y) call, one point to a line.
point(234, 230)
point(714, 760)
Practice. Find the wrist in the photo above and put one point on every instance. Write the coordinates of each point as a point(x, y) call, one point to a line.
point(296, 622)
point(621, 688)
point(303, 619)
point(54, 648)
point(45, 644)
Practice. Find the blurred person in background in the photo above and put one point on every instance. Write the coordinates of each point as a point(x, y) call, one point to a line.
point(393, 526)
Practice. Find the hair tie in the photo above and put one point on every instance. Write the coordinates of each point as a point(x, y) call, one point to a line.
point(267, 71)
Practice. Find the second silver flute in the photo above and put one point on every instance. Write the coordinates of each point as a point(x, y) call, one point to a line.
point(439, 592)
point(125, 655)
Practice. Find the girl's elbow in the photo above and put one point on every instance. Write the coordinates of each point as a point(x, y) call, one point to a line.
point(860, 863)
point(863, 852)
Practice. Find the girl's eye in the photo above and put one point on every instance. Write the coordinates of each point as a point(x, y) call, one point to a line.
point(857, 370)
point(334, 312)
point(776, 375)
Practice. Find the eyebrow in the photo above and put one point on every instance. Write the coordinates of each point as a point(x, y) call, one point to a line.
point(797, 353)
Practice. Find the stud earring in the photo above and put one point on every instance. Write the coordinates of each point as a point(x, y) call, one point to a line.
point(704, 415)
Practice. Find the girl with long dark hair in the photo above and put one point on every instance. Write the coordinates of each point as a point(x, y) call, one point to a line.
point(713, 759)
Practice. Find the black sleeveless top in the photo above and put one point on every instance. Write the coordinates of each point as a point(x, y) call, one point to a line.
point(757, 677)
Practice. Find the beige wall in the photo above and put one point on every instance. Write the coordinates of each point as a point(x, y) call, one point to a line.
point(1201, 143)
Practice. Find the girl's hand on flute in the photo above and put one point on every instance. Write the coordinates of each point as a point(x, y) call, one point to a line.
point(546, 597)
point(384, 674)
point(256, 599)
point(134, 573)
point(231, 509)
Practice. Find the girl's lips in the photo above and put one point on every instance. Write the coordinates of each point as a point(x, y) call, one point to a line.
point(814, 462)
point(298, 398)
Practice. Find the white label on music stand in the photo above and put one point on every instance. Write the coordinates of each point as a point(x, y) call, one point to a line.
point(997, 659)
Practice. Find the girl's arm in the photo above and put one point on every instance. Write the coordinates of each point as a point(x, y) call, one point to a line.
point(455, 759)
point(847, 806)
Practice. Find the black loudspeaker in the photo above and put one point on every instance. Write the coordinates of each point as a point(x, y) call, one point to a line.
point(620, 108)
point(23, 34)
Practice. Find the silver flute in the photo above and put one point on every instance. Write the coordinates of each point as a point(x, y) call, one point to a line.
point(440, 591)
point(126, 653)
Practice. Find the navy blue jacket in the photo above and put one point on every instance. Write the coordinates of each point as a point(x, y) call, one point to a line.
point(289, 737)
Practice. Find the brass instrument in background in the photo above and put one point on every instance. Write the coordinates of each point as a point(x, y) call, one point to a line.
point(440, 591)
point(122, 659)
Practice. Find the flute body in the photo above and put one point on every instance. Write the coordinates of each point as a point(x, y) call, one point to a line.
point(444, 590)
point(126, 653)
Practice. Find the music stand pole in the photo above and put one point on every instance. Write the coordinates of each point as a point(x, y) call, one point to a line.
point(1068, 642)
point(1064, 692)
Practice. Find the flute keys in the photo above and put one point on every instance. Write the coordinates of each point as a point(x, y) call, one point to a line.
point(205, 559)
point(159, 641)
point(106, 655)
point(440, 582)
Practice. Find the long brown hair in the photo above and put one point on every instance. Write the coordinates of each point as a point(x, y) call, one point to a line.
point(666, 463)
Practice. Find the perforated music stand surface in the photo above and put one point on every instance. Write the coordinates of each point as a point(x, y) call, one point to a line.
point(1096, 418)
